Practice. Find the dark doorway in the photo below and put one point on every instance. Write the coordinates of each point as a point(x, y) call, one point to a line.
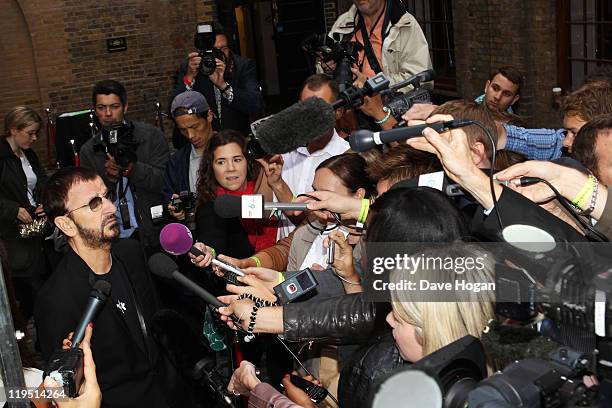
point(270, 33)
point(296, 20)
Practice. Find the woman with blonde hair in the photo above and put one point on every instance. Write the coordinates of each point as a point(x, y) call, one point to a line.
point(21, 181)
point(462, 303)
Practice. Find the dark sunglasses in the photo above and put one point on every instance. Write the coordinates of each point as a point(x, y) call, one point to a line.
point(96, 202)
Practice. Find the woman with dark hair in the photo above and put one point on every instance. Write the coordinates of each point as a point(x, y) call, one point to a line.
point(227, 169)
point(344, 174)
point(21, 181)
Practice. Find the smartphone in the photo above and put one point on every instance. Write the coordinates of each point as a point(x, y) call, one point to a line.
point(315, 392)
point(331, 251)
point(230, 272)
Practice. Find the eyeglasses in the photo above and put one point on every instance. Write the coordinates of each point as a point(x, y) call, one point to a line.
point(96, 202)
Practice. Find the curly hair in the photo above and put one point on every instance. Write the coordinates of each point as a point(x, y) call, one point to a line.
point(207, 183)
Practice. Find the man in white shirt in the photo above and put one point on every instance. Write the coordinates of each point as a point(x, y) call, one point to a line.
point(300, 165)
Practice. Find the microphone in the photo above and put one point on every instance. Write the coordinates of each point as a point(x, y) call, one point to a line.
point(97, 300)
point(415, 80)
point(250, 206)
point(161, 265)
point(176, 239)
point(293, 127)
point(363, 140)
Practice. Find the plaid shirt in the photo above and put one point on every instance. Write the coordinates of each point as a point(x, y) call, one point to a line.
point(535, 144)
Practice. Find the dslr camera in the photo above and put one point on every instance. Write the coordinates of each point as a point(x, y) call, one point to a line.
point(343, 53)
point(118, 141)
point(205, 44)
point(186, 202)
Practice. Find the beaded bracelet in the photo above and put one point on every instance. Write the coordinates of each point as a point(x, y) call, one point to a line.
point(250, 335)
point(589, 210)
point(386, 118)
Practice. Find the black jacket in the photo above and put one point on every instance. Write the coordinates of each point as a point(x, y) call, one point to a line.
point(13, 195)
point(176, 176)
point(125, 370)
point(248, 103)
point(226, 235)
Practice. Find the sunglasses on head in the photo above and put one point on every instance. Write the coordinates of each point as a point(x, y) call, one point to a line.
point(96, 202)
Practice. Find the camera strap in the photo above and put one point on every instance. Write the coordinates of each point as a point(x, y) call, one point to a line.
point(367, 45)
point(124, 209)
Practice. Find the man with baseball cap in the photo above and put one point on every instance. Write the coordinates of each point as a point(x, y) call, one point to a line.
point(193, 118)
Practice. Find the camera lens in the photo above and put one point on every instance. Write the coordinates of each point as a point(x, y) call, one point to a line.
point(208, 65)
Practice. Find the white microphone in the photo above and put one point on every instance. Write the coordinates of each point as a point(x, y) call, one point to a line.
point(251, 206)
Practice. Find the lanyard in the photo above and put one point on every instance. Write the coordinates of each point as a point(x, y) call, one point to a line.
point(368, 50)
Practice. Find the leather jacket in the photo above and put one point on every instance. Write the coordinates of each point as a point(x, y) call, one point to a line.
point(366, 367)
point(346, 319)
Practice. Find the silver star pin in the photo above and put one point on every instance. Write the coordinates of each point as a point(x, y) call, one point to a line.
point(121, 306)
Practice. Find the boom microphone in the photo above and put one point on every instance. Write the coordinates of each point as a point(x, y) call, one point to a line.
point(250, 206)
point(293, 127)
point(161, 265)
point(363, 140)
point(97, 300)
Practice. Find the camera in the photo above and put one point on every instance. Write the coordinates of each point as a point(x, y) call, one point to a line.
point(118, 141)
point(399, 103)
point(186, 202)
point(66, 368)
point(205, 44)
point(343, 53)
point(459, 376)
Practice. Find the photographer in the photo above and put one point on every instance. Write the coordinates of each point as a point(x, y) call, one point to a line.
point(193, 117)
point(392, 39)
point(130, 157)
point(232, 90)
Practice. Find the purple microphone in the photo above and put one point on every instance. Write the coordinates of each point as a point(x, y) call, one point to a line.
point(176, 239)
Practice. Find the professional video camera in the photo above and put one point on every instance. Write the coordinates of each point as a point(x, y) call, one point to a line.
point(205, 44)
point(343, 53)
point(186, 202)
point(118, 141)
point(567, 283)
point(459, 377)
point(399, 103)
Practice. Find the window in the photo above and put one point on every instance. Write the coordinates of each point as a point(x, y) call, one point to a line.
point(584, 39)
point(436, 20)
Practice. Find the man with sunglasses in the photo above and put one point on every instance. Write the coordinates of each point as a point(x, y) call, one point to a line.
point(80, 204)
point(232, 90)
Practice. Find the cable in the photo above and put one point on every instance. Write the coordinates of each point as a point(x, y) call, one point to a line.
point(297, 359)
point(569, 208)
point(491, 182)
point(336, 216)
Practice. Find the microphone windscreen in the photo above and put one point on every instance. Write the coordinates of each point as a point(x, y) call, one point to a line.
point(161, 265)
point(296, 126)
point(101, 289)
point(176, 239)
point(228, 206)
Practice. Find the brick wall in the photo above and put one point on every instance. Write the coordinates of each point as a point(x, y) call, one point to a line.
point(53, 51)
point(492, 33)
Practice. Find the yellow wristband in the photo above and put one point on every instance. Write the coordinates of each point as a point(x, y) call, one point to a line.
point(281, 277)
point(584, 192)
point(212, 251)
point(363, 213)
point(584, 200)
point(257, 261)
